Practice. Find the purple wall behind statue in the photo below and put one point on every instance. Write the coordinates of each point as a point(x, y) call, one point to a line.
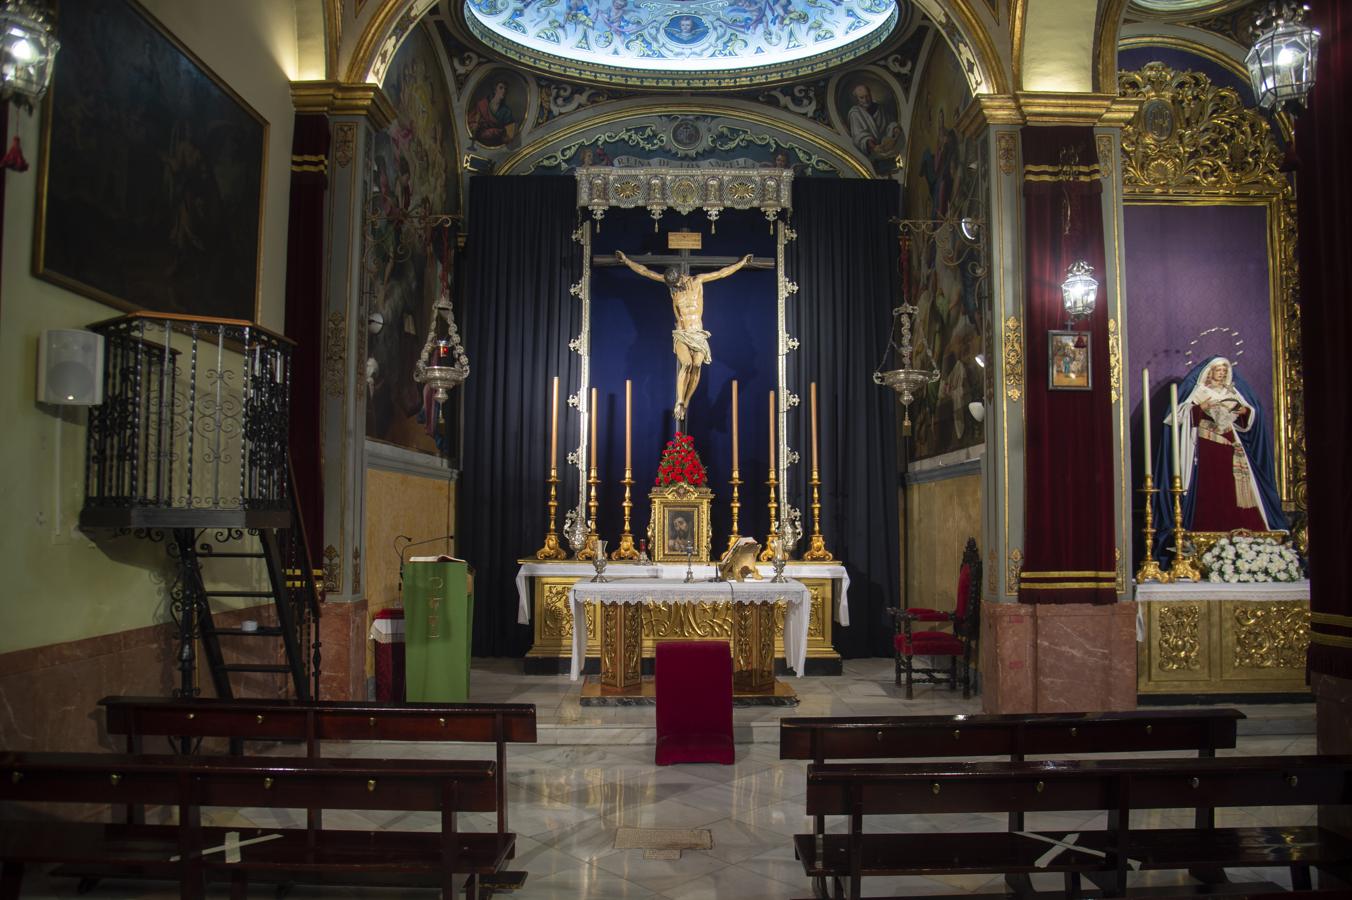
point(1190, 269)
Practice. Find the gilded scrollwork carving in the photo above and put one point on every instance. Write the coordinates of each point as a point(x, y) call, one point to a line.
point(344, 143)
point(1106, 156)
point(1114, 361)
point(1013, 341)
point(335, 354)
point(1180, 640)
point(1190, 135)
point(1005, 152)
point(1271, 635)
point(333, 570)
point(1012, 572)
point(556, 620)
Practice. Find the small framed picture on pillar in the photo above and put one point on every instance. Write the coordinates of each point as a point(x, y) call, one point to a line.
point(1068, 361)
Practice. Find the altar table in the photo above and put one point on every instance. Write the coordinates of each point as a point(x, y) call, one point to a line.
point(1208, 638)
point(543, 602)
point(753, 603)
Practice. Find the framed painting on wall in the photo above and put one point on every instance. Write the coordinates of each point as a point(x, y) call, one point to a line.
point(152, 171)
point(1068, 362)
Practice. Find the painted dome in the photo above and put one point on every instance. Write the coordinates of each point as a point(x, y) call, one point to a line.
point(681, 43)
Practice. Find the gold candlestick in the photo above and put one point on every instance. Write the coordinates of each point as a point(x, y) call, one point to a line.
point(1184, 568)
point(773, 534)
point(626, 550)
point(588, 550)
point(816, 551)
point(1150, 568)
point(736, 509)
point(552, 549)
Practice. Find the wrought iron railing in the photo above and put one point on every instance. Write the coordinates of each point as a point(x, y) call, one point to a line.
point(193, 428)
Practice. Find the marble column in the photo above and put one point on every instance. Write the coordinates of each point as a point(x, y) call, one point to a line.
point(356, 113)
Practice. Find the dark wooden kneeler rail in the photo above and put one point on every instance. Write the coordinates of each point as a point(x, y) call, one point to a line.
point(1118, 787)
point(192, 854)
point(1016, 737)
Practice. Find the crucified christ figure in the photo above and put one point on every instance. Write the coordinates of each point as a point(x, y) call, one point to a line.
point(689, 340)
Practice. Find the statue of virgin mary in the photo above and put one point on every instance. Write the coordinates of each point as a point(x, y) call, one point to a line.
point(1225, 455)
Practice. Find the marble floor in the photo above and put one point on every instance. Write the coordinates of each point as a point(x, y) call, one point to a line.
point(592, 773)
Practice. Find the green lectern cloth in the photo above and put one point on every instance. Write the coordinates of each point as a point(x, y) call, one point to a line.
point(438, 620)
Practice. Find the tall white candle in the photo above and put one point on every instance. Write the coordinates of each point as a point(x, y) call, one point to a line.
point(628, 429)
point(594, 453)
point(554, 427)
point(772, 431)
point(1145, 419)
point(1173, 405)
point(734, 428)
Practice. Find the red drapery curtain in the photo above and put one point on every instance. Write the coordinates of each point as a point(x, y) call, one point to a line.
point(1068, 486)
point(1324, 186)
point(305, 317)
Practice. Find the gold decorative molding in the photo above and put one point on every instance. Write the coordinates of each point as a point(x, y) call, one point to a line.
point(1054, 108)
point(356, 570)
point(1006, 151)
point(1121, 570)
point(1114, 361)
point(333, 570)
point(335, 354)
point(1012, 572)
point(556, 618)
point(344, 143)
point(1271, 635)
point(1193, 142)
point(1180, 638)
point(334, 98)
point(1106, 156)
point(1190, 136)
point(1013, 354)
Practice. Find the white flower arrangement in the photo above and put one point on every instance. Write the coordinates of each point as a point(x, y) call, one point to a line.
point(1241, 559)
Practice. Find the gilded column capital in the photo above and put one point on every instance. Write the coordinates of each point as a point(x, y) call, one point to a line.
point(335, 98)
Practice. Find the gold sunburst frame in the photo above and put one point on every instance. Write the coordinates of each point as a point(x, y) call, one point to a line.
point(1192, 142)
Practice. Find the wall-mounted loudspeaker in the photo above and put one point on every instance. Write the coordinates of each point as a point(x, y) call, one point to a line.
point(70, 368)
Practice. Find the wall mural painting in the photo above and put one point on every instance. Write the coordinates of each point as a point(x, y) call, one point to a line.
point(413, 160)
point(866, 106)
point(942, 182)
point(497, 111)
point(153, 183)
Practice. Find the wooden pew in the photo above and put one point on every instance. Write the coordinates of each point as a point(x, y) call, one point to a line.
point(193, 854)
point(312, 722)
point(1118, 787)
point(1016, 737)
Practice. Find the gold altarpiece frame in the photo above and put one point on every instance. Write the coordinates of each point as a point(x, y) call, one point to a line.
point(1194, 143)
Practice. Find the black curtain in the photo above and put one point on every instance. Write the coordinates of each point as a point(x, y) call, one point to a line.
point(518, 318)
point(845, 264)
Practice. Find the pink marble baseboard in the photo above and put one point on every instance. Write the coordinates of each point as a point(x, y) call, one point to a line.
point(1008, 658)
point(1086, 657)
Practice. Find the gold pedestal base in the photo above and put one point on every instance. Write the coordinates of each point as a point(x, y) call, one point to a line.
point(551, 549)
point(626, 550)
point(816, 550)
point(1150, 571)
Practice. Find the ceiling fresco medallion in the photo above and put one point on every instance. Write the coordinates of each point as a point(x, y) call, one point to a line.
point(681, 42)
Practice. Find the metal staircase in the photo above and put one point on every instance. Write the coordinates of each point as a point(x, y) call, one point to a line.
point(190, 447)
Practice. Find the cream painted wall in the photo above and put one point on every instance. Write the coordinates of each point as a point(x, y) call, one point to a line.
point(1058, 46)
point(400, 503)
point(60, 586)
point(940, 517)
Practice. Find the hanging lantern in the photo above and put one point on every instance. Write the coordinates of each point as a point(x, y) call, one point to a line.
point(28, 47)
point(1282, 60)
point(442, 365)
point(1079, 292)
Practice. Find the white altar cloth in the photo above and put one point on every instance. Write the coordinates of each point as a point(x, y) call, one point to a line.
point(677, 590)
point(670, 571)
point(1205, 591)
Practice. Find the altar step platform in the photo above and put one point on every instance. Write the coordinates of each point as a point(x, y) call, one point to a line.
point(864, 688)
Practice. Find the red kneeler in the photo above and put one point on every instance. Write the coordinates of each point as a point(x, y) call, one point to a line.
point(694, 702)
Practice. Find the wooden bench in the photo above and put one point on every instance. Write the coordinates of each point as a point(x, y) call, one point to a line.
point(1015, 737)
point(192, 854)
point(312, 722)
point(1118, 787)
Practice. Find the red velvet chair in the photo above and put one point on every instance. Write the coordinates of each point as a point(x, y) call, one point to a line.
point(694, 702)
point(957, 644)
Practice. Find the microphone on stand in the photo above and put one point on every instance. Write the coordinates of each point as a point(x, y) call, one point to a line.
point(412, 543)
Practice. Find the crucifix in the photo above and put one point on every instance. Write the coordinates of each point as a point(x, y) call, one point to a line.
point(689, 340)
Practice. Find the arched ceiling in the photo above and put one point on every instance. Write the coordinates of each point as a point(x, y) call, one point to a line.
point(666, 43)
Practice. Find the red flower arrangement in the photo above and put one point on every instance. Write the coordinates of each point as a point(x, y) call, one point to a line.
point(680, 463)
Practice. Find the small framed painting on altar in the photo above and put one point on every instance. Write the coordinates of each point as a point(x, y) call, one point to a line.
point(1068, 361)
point(680, 523)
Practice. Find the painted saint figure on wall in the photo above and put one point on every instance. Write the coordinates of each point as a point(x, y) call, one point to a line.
point(491, 120)
point(1225, 454)
point(872, 129)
